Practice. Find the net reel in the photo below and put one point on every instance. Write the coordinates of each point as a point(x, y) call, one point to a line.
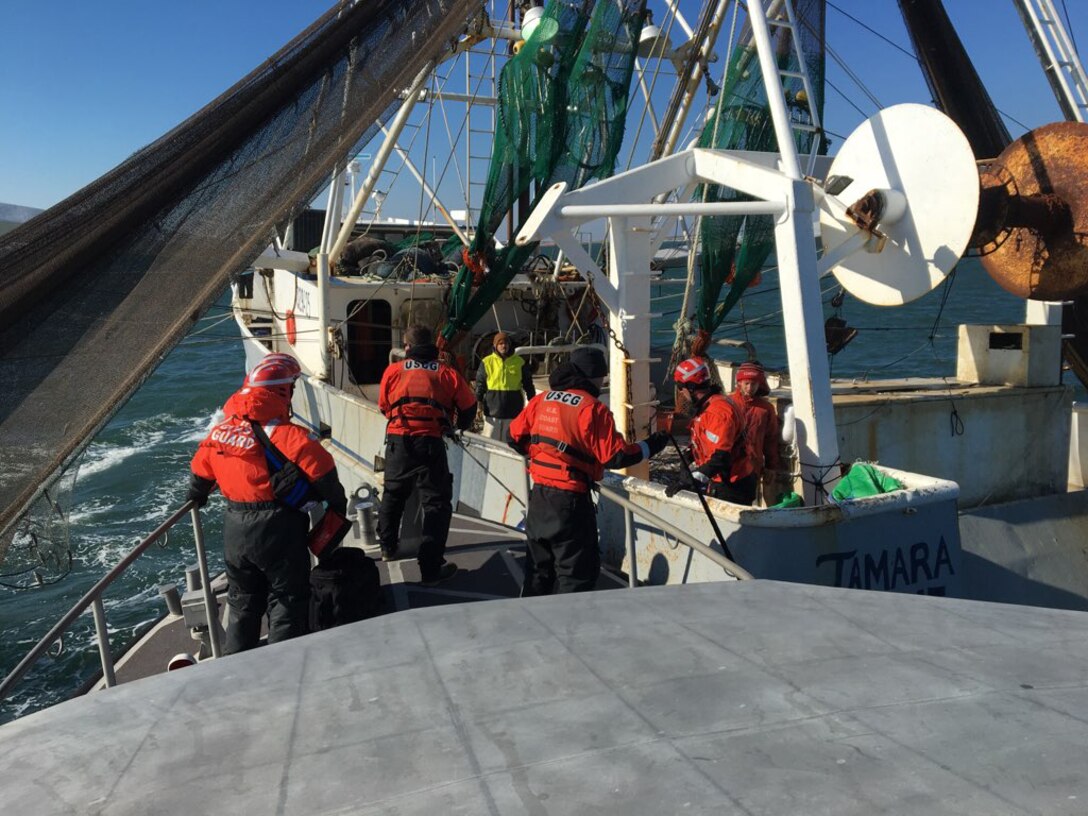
point(911, 177)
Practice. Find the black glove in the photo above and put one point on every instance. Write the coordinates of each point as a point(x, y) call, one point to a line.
point(199, 488)
point(657, 442)
point(682, 482)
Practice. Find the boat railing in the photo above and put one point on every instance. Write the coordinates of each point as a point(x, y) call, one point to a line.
point(630, 510)
point(93, 599)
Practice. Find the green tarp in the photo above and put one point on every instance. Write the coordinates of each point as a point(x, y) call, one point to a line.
point(864, 480)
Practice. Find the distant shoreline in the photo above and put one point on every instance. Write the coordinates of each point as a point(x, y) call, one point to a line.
point(12, 215)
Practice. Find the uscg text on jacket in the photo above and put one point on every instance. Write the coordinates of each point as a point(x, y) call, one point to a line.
point(564, 397)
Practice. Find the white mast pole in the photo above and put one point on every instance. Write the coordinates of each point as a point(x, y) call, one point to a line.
point(395, 128)
point(629, 375)
point(332, 213)
point(772, 81)
point(802, 308)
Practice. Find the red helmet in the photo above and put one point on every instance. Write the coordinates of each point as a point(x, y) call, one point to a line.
point(276, 372)
point(693, 372)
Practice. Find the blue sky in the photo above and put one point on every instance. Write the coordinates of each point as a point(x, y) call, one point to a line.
point(85, 84)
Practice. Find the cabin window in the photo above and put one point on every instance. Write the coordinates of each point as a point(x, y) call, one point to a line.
point(370, 339)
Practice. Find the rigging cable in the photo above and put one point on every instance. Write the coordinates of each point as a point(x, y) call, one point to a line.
point(873, 31)
point(1069, 27)
point(650, 93)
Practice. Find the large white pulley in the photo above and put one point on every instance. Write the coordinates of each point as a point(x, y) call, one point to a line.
point(926, 187)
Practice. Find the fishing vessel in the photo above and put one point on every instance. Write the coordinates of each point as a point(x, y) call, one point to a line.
point(1006, 378)
point(893, 214)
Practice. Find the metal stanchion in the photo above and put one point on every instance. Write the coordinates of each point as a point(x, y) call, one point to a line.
point(632, 564)
point(211, 610)
point(104, 652)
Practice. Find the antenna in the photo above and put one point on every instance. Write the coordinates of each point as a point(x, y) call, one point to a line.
point(911, 176)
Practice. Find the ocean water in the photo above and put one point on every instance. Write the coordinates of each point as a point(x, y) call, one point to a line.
point(135, 472)
point(132, 476)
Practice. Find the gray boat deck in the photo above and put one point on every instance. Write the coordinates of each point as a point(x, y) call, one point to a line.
point(490, 559)
point(756, 697)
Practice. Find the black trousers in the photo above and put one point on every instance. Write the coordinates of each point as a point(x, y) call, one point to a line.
point(268, 569)
point(742, 491)
point(417, 463)
point(561, 532)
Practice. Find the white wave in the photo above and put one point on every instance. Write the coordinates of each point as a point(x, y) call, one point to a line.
point(146, 438)
point(101, 458)
point(85, 511)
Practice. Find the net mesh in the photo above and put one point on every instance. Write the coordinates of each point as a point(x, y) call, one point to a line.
point(734, 248)
point(562, 107)
point(96, 290)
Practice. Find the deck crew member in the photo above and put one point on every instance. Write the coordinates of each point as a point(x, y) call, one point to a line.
point(570, 438)
point(264, 541)
point(423, 399)
point(762, 436)
point(502, 380)
point(718, 438)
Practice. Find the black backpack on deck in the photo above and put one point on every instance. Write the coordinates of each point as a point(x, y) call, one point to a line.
point(345, 587)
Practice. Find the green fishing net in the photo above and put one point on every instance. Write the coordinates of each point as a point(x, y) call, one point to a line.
point(562, 106)
point(734, 248)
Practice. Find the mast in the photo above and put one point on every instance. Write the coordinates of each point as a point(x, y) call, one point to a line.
point(1059, 59)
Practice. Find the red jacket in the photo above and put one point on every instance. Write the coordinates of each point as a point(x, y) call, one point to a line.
point(720, 426)
point(419, 397)
point(762, 435)
point(231, 457)
point(569, 436)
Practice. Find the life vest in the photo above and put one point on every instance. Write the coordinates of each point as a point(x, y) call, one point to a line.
point(235, 460)
point(722, 426)
point(503, 374)
point(565, 432)
point(418, 397)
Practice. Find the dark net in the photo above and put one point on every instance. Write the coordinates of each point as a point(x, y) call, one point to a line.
point(531, 108)
point(563, 106)
point(734, 248)
point(952, 79)
point(96, 290)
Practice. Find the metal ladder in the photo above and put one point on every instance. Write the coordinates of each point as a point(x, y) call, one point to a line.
point(1055, 50)
point(478, 140)
point(388, 176)
point(780, 16)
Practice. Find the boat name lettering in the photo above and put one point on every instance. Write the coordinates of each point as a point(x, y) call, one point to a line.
point(892, 569)
point(430, 366)
point(230, 436)
point(564, 397)
point(302, 303)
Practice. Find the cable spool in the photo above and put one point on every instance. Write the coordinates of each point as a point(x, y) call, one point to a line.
point(911, 176)
point(1032, 230)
